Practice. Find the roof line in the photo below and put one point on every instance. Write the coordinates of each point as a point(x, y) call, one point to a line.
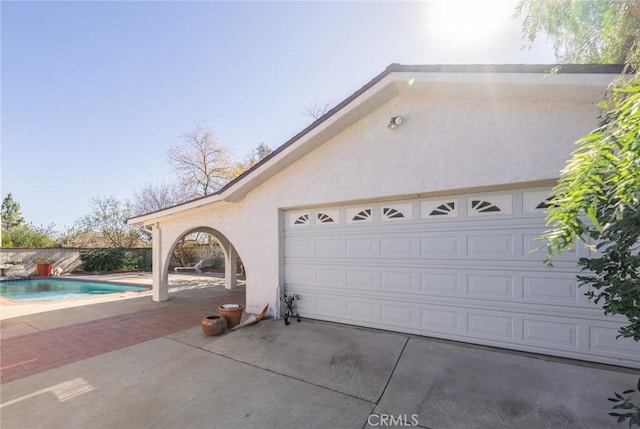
point(416, 68)
point(288, 143)
point(509, 68)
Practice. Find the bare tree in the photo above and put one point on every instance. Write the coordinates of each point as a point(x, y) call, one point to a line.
point(107, 222)
point(316, 110)
point(78, 236)
point(203, 166)
point(153, 197)
point(201, 163)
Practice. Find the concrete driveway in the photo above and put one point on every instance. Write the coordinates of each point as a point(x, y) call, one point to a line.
point(138, 367)
point(313, 375)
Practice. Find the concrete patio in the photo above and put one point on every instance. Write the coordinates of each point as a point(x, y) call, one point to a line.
point(305, 375)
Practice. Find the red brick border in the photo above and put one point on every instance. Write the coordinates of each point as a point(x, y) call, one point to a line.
point(30, 354)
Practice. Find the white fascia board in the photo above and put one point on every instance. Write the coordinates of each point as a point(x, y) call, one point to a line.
point(211, 201)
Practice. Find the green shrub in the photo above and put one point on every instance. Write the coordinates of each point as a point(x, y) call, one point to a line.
point(103, 259)
point(133, 261)
point(626, 408)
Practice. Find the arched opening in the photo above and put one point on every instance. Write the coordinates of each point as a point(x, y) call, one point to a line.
point(199, 249)
point(206, 253)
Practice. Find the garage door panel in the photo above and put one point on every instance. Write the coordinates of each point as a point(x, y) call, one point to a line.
point(490, 246)
point(363, 310)
point(299, 246)
point(440, 320)
point(329, 276)
point(465, 245)
point(300, 274)
point(440, 283)
point(447, 246)
point(398, 315)
point(398, 281)
point(398, 247)
point(462, 303)
point(499, 288)
point(491, 286)
point(324, 306)
point(330, 307)
point(604, 341)
point(486, 325)
point(362, 279)
point(552, 290)
point(328, 247)
point(551, 334)
point(449, 268)
point(362, 247)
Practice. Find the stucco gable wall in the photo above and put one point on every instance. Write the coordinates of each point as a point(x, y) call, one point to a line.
point(444, 143)
point(448, 141)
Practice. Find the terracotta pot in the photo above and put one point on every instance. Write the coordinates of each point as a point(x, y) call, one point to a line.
point(233, 315)
point(45, 270)
point(213, 325)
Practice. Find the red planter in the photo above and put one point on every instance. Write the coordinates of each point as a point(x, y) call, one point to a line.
point(45, 270)
point(233, 315)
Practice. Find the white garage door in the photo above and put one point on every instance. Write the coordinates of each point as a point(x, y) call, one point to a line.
point(463, 268)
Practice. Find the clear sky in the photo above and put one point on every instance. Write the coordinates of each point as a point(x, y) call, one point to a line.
point(94, 93)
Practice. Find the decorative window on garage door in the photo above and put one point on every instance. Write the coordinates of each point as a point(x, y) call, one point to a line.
point(396, 212)
point(327, 217)
point(490, 205)
point(536, 201)
point(299, 219)
point(439, 209)
point(360, 214)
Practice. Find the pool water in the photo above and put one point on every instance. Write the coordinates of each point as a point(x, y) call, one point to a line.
point(56, 289)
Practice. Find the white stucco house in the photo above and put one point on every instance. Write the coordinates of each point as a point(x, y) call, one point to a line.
point(414, 206)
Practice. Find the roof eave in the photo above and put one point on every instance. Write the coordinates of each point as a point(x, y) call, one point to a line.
point(369, 97)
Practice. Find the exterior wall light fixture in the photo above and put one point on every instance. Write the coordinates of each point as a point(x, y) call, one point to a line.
point(395, 122)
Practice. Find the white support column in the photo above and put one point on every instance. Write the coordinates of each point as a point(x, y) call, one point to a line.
point(230, 267)
point(160, 290)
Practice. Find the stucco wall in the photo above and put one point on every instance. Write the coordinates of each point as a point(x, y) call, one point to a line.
point(453, 139)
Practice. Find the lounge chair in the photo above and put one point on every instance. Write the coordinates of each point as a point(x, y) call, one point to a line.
point(197, 267)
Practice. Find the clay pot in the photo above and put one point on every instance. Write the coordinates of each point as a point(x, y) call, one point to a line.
point(213, 325)
point(44, 269)
point(233, 315)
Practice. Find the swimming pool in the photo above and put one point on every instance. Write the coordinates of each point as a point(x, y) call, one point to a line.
point(56, 289)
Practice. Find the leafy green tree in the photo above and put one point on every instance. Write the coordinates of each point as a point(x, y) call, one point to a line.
point(16, 232)
point(584, 31)
point(597, 199)
point(28, 236)
point(11, 215)
point(601, 183)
